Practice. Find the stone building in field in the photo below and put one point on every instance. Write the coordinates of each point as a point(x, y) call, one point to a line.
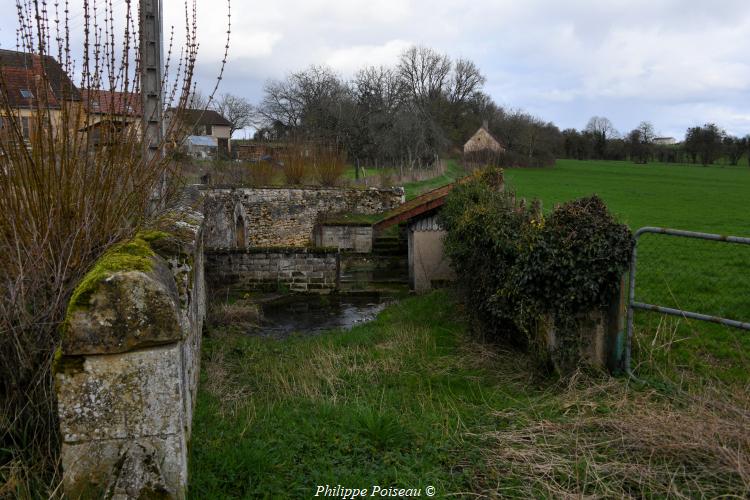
point(483, 140)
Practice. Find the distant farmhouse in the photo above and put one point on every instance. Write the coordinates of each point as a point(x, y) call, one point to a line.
point(665, 141)
point(24, 88)
point(208, 133)
point(483, 140)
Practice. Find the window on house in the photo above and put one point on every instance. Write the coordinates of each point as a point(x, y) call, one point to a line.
point(25, 127)
point(27, 94)
point(209, 130)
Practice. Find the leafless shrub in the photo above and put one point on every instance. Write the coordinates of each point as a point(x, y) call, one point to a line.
point(74, 178)
point(330, 163)
point(297, 157)
point(262, 173)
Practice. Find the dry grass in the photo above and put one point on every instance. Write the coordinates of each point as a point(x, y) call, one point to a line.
point(318, 372)
point(613, 441)
point(262, 173)
point(506, 429)
point(240, 314)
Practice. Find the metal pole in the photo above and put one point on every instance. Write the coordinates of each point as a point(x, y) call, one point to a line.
point(151, 74)
point(631, 299)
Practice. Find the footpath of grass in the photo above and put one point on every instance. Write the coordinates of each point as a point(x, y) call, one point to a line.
point(410, 400)
point(453, 172)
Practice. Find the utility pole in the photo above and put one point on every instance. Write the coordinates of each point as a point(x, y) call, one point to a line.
point(151, 37)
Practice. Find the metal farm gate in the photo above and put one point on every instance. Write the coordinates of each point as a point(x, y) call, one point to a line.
point(704, 277)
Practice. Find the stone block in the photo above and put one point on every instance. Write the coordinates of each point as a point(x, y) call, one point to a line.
point(125, 310)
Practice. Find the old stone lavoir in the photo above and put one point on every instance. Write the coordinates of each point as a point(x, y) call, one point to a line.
point(127, 371)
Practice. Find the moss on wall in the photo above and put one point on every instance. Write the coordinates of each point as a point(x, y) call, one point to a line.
point(132, 255)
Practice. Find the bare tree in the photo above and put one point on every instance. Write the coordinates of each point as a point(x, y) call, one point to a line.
point(467, 81)
point(639, 142)
point(734, 148)
point(197, 100)
point(425, 73)
point(237, 110)
point(602, 130)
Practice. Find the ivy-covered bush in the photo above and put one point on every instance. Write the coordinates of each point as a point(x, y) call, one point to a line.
point(515, 268)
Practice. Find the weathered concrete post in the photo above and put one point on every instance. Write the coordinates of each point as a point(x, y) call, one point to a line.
point(152, 123)
point(598, 339)
point(151, 64)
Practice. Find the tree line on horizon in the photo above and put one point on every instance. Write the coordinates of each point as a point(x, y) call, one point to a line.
point(427, 105)
point(705, 144)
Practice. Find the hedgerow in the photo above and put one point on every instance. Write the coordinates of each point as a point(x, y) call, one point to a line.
point(515, 268)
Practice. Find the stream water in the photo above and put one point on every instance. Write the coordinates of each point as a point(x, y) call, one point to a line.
point(312, 314)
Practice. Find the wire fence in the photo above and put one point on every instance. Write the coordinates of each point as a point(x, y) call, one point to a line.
point(690, 288)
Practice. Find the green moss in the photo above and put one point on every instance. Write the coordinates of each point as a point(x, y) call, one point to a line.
point(56, 360)
point(135, 254)
point(151, 235)
point(132, 255)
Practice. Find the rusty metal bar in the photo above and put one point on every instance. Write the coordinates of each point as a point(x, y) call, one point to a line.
point(691, 315)
point(632, 304)
point(692, 234)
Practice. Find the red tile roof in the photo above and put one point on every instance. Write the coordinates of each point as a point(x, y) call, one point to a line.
point(107, 102)
point(24, 87)
point(417, 206)
point(21, 71)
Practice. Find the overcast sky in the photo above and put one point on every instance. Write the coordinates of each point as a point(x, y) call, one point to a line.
point(676, 63)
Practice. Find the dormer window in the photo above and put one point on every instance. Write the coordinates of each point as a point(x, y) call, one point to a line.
point(27, 94)
point(95, 105)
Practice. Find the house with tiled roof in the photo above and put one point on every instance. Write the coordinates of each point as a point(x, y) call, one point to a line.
point(202, 126)
point(110, 114)
point(29, 83)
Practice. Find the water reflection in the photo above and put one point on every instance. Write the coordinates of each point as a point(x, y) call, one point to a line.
point(312, 314)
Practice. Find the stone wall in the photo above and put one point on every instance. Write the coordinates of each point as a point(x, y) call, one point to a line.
point(312, 270)
point(344, 237)
point(127, 372)
point(269, 217)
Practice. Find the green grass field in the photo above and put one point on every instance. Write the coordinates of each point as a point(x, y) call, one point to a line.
point(711, 199)
point(707, 277)
point(414, 399)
